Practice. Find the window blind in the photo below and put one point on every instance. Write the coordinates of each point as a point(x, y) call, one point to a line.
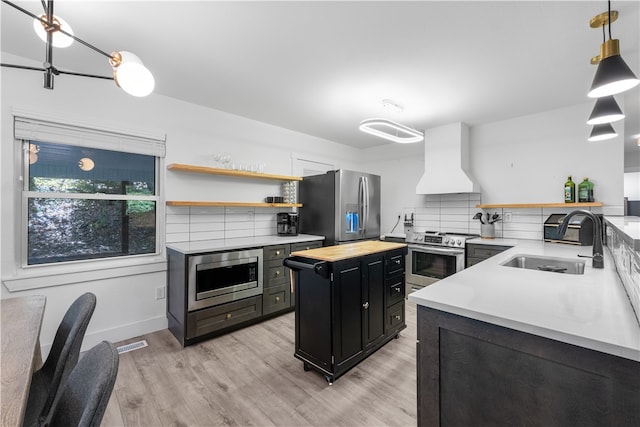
point(34, 129)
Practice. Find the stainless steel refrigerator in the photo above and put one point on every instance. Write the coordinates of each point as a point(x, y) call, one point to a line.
point(342, 205)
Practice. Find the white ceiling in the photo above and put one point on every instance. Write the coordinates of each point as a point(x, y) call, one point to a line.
point(322, 67)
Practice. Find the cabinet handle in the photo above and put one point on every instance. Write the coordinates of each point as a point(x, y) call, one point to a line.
point(397, 317)
point(277, 273)
point(366, 305)
point(398, 290)
point(277, 299)
point(228, 316)
point(277, 252)
point(397, 261)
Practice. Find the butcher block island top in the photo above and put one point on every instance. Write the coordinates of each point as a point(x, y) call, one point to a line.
point(348, 250)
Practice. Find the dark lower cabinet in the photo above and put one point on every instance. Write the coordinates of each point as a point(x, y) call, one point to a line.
point(472, 373)
point(342, 314)
point(190, 327)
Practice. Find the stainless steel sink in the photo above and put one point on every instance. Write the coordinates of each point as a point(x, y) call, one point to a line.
point(555, 265)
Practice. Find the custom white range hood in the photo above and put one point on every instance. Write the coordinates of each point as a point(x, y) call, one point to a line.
point(446, 161)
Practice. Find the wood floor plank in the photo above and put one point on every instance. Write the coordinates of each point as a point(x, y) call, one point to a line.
point(250, 377)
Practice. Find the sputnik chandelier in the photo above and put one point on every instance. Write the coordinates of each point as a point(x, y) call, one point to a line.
point(612, 77)
point(129, 73)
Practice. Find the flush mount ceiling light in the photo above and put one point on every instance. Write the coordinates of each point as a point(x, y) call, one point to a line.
point(606, 110)
point(602, 132)
point(129, 72)
point(613, 74)
point(390, 130)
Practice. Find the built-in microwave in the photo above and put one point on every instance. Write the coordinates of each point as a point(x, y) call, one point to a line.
point(222, 277)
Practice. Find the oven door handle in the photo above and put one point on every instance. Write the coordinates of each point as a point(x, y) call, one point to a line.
point(436, 250)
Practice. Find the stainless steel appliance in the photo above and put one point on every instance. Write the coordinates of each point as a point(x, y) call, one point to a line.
point(341, 205)
point(222, 277)
point(579, 230)
point(287, 224)
point(433, 256)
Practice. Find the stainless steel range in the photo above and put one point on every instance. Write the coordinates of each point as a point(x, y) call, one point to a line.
point(434, 255)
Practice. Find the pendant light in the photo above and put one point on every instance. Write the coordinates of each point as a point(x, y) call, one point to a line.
point(606, 110)
point(613, 74)
point(602, 132)
point(390, 130)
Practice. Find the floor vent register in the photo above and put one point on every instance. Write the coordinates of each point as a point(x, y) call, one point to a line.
point(133, 346)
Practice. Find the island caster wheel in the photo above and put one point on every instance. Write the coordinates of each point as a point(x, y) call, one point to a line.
point(397, 336)
point(306, 367)
point(329, 379)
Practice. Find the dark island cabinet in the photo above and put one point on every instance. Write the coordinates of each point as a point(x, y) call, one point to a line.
point(473, 373)
point(342, 310)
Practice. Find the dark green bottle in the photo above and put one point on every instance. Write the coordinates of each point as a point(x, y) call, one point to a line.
point(585, 191)
point(569, 191)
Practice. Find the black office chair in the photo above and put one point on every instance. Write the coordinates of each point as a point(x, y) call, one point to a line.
point(84, 397)
point(63, 357)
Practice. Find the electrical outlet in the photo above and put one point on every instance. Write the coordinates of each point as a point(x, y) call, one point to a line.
point(507, 217)
point(160, 292)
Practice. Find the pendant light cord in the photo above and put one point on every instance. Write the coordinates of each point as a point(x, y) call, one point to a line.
point(609, 3)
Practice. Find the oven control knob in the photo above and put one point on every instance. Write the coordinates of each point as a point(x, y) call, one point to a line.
point(446, 240)
point(459, 242)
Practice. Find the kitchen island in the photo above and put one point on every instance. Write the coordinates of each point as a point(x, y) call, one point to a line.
point(349, 302)
point(499, 345)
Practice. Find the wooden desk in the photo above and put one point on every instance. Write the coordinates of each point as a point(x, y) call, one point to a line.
point(20, 346)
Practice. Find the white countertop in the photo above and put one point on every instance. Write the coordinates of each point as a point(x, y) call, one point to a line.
point(239, 243)
point(590, 310)
point(629, 225)
point(494, 242)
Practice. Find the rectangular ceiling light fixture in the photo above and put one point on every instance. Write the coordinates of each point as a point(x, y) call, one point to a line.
point(390, 130)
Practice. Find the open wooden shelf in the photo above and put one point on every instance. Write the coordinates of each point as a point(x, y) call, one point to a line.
point(230, 172)
point(538, 205)
point(233, 204)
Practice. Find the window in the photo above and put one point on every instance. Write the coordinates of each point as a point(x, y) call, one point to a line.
point(84, 201)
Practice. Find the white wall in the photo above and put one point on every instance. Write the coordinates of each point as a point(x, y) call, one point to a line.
point(126, 305)
point(520, 160)
point(528, 159)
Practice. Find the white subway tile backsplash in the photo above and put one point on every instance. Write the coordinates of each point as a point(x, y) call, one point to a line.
point(177, 237)
point(233, 234)
point(199, 227)
point(206, 235)
point(177, 228)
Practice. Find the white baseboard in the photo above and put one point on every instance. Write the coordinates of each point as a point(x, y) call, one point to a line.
point(119, 333)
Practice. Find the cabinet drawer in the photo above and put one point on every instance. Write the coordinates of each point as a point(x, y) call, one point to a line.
point(484, 251)
point(395, 290)
point(275, 274)
point(395, 262)
point(277, 252)
point(275, 299)
point(219, 317)
point(305, 246)
point(395, 316)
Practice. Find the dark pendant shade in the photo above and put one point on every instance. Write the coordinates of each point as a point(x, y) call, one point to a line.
point(612, 76)
point(602, 132)
point(606, 110)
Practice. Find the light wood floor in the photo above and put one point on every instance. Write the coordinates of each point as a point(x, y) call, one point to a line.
point(250, 377)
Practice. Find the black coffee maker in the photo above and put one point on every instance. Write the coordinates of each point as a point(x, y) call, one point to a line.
point(287, 224)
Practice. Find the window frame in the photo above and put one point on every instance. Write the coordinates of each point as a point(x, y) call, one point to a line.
point(17, 277)
point(26, 194)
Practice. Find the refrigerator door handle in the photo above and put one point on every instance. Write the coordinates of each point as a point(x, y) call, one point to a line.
point(361, 192)
point(365, 220)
